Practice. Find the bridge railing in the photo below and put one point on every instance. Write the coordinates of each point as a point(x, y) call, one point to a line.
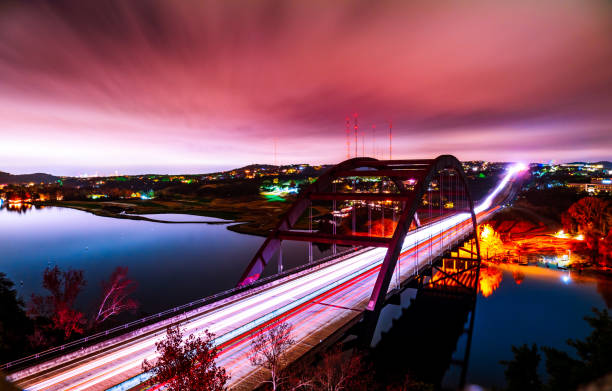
point(115, 331)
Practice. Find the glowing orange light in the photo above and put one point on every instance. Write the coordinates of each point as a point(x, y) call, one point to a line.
point(489, 281)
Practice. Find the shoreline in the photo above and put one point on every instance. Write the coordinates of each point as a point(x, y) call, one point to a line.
point(236, 217)
point(239, 215)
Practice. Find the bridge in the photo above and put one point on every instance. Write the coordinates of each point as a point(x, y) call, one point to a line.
point(386, 225)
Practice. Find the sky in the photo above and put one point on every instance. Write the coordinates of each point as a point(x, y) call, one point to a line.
point(195, 86)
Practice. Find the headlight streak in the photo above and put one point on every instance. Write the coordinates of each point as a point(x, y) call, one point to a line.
point(272, 302)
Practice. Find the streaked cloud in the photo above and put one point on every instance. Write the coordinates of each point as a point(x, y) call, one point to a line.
point(212, 83)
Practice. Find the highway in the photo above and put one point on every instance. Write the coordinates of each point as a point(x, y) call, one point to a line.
point(316, 303)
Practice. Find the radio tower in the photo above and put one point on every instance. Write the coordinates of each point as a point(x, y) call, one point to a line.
point(390, 139)
point(356, 130)
point(348, 137)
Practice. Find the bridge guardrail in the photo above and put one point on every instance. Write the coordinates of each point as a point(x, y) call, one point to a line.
point(100, 336)
point(138, 379)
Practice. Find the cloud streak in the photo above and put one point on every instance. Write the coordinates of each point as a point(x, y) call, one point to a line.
point(215, 82)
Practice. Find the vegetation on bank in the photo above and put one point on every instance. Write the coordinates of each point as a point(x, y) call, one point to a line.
point(238, 195)
point(557, 223)
point(50, 320)
point(590, 360)
point(190, 364)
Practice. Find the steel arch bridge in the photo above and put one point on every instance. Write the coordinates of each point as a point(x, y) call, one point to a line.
point(411, 185)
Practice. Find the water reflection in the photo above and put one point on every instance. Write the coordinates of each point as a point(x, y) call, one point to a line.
point(492, 273)
point(18, 207)
point(185, 261)
point(490, 278)
point(433, 334)
point(444, 338)
point(518, 276)
point(604, 288)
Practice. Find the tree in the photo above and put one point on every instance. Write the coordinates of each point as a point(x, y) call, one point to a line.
point(605, 249)
point(339, 371)
point(593, 360)
point(64, 287)
point(591, 217)
point(594, 355)
point(522, 372)
point(14, 324)
point(490, 242)
point(186, 364)
point(116, 295)
point(268, 350)
point(336, 370)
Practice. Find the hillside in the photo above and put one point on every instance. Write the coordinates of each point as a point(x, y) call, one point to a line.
point(6, 178)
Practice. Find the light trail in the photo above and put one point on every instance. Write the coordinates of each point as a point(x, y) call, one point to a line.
point(344, 284)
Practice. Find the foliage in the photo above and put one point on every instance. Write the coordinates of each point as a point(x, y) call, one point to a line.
point(591, 217)
point(490, 242)
point(522, 372)
point(14, 324)
point(593, 359)
point(605, 248)
point(268, 350)
point(587, 215)
point(557, 198)
point(335, 371)
point(116, 295)
point(186, 364)
point(64, 287)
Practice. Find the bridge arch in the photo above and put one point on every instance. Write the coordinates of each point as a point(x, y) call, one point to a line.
point(420, 173)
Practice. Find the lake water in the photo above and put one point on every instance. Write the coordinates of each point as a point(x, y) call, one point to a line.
point(176, 263)
point(515, 305)
point(172, 263)
point(543, 306)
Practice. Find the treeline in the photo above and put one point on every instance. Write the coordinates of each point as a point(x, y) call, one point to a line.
point(590, 360)
point(592, 218)
point(53, 319)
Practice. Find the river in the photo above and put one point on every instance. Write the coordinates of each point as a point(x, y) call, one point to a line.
point(174, 263)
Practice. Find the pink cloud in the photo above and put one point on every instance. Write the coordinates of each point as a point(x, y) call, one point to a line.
point(214, 83)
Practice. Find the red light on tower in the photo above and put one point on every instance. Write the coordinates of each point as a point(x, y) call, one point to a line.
point(348, 137)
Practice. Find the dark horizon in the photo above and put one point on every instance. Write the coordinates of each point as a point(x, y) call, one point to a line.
point(195, 171)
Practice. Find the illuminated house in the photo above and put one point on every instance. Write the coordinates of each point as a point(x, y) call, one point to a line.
point(596, 186)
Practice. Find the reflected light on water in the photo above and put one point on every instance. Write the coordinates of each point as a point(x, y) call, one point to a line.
point(566, 278)
point(490, 278)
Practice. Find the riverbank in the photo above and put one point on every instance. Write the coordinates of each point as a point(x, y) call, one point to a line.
point(534, 235)
point(253, 217)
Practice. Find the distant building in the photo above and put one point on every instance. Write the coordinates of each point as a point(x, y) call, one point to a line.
point(596, 186)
